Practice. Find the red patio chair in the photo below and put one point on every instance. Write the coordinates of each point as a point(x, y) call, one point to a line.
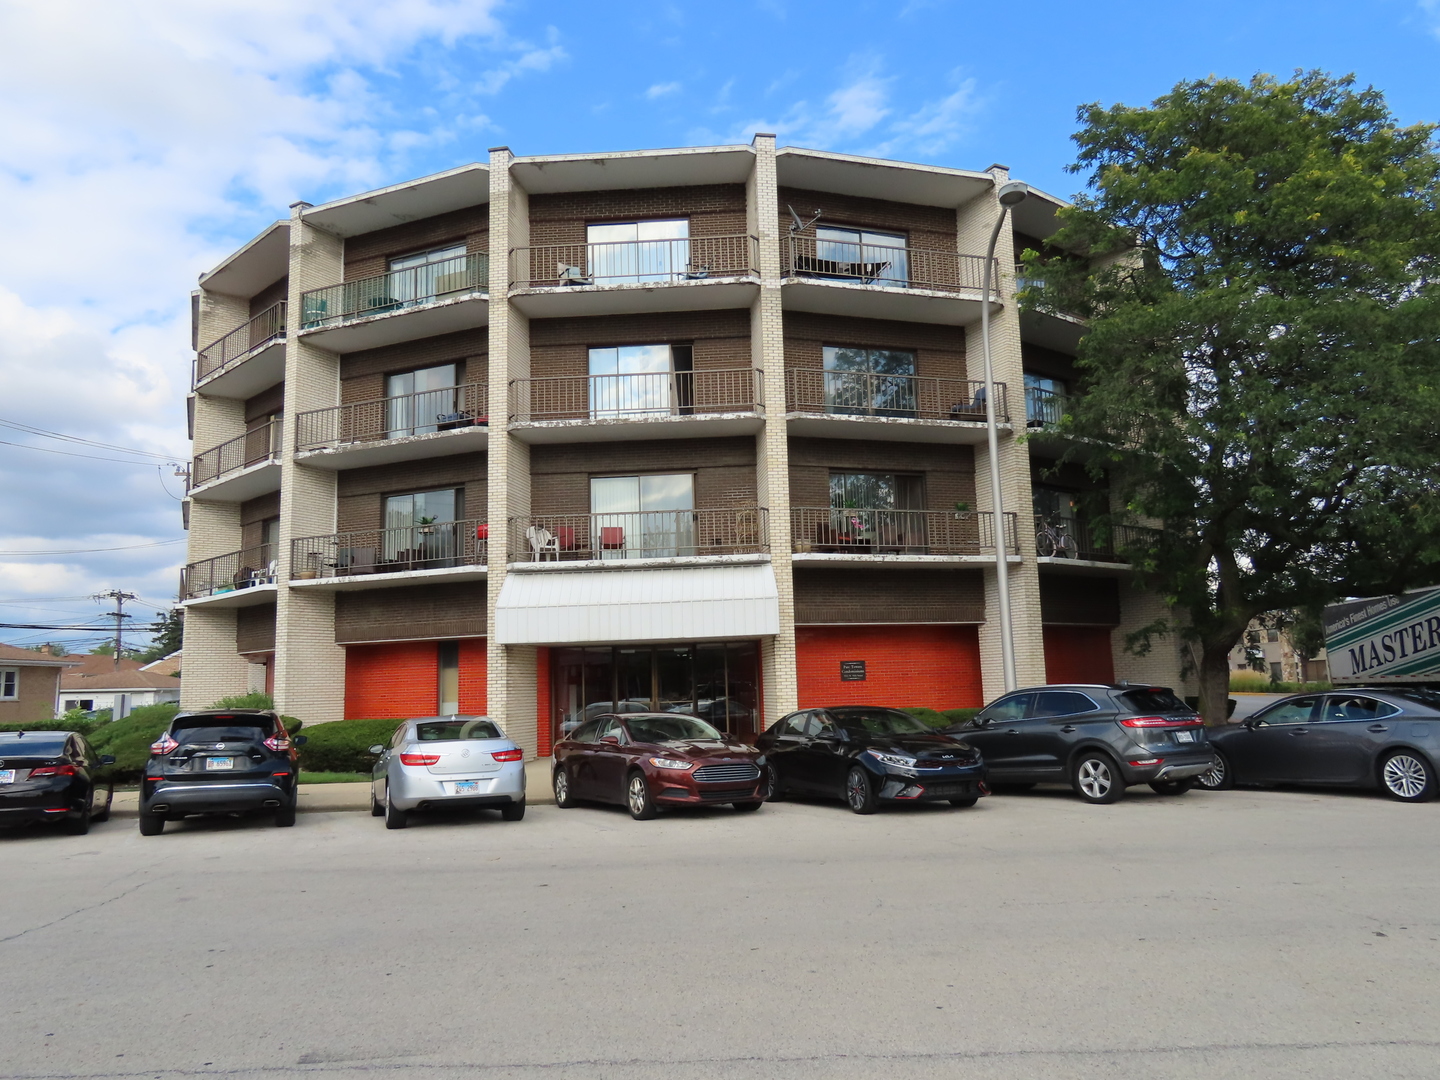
point(612, 537)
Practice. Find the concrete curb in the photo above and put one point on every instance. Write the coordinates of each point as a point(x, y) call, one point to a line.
point(337, 798)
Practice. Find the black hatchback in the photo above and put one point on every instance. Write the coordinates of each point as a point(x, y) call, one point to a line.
point(867, 755)
point(52, 776)
point(1098, 738)
point(220, 761)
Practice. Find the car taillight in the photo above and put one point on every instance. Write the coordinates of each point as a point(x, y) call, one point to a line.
point(1162, 722)
point(278, 742)
point(52, 770)
point(164, 745)
point(419, 759)
point(508, 755)
point(1144, 762)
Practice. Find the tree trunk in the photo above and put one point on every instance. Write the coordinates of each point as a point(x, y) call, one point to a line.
point(1214, 682)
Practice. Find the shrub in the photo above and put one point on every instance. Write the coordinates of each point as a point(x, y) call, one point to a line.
point(253, 700)
point(74, 720)
point(129, 739)
point(344, 745)
point(1249, 682)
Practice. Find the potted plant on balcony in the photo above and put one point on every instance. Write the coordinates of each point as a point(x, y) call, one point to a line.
point(426, 526)
point(962, 510)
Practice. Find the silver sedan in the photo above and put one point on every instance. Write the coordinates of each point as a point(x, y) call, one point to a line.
point(441, 761)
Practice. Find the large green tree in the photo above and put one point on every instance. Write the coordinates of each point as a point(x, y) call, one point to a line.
point(1260, 373)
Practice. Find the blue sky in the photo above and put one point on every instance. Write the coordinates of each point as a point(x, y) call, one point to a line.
point(141, 142)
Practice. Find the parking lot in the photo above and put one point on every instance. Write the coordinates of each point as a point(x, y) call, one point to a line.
point(1275, 934)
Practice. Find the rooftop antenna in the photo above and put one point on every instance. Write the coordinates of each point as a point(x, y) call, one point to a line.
point(798, 226)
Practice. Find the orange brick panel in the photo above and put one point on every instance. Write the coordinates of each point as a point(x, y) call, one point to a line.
point(542, 701)
point(392, 681)
point(473, 676)
point(1078, 654)
point(935, 666)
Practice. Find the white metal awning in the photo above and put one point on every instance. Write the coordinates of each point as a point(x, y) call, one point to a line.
point(699, 603)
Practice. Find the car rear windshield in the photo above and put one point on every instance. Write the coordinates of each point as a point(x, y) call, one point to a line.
point(1420, 695)
point(659, 729)
point(1154, 700)
point(456, 730)
point(31, 747)
point(879, 721)
point(233, 733)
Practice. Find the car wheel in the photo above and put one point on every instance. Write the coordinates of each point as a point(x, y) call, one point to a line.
point(967, 801)
point(77, 826)
point(104, 814)
point(860, 791)
point(746, 807)
point(376, 810)
point(1219, 778)
point(638, 798)
point(1408, 777)
point(395, 818)
point(514, 812)
point(285, 816)
point(151, 824)
point(1097, 779)
point(1172, 787)
point(564, 793)
point(774, 787)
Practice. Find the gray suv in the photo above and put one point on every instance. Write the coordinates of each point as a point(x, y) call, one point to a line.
point(1098, 738)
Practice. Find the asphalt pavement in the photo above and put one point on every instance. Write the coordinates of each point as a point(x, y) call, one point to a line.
point(1216, 935)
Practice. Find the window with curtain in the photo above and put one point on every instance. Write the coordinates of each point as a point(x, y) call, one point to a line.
point(635, 251)
point(878, 508)
point(420, 527)
point(643, 516)
point(874, 382)
point(632, 380)
point(415, 400)
point(863, 255)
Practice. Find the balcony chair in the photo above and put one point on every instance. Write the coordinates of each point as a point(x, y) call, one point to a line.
point(565, 535)
point(975, 409)
point(572, 275)
point(697, 272)
point(612, 537)
point(542, 540)
point(355, 560)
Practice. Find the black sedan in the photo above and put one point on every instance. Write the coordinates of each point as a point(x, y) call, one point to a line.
point(51, 776)
point(1373, 738)
point(868, 755)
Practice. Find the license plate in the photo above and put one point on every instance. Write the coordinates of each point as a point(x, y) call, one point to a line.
point(214, 763)
point(1184, 736)
point(463, 787)
point(7, 776)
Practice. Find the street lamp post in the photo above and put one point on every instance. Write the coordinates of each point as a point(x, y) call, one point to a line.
point(1010, 194)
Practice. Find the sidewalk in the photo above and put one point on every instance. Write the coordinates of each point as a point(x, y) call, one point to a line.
point(329, 798)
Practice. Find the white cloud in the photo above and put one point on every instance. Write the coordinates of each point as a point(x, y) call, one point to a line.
point(936, 125)
point(660, 90)
point(1431, 10)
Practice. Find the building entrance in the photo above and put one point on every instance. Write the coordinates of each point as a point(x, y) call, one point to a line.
point(718, 682)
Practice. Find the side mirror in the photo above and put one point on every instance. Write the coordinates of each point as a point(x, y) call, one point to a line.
point(1249, 723)
point(300, 740)
point(610, 739)
point(107, 759)
point(377, 749)
point(828, 735)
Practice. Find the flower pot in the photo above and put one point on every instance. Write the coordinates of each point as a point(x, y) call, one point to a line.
point(307, 575)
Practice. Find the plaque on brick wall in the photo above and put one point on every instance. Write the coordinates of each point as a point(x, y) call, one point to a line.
point(852, 670)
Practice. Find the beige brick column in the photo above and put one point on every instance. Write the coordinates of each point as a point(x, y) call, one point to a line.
point(772, 450)
point(309, 666)
point(511, 669)
point(974, 220)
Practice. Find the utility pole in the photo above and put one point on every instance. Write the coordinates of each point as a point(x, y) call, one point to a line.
point(120, 617)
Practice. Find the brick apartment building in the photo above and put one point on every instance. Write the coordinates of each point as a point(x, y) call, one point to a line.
point(549, 433)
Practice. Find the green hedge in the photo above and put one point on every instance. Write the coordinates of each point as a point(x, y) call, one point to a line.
point(939, 718)
point(129, 739)
point(344, 745)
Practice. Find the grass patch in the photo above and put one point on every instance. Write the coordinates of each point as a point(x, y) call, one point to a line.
point(334, 777)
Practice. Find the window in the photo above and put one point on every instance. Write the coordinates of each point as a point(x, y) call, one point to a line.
point(420, 530)
point(416, 401)
point(636, 251)
point(9, 684)
point(1297, 711)
point(612, 728)
point(449, 680)
point(1044, 399)
point(874, 382)
point(457, 730)
point(793, 726)
point(1357, 708)
point(1272, 635)
point(1005, 710)
point(425, 275)
point(878, 491)
point(875, 258)
point(877, 510)
point(1061, 703)
point(639, 380)
point(1055, 505)
point(643, 516)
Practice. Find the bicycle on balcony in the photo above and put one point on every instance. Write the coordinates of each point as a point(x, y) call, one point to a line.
point(1054, 541)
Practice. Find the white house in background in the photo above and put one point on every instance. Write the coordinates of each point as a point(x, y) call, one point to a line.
point(120, 691)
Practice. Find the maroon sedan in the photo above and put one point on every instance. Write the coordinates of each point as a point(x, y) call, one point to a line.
point(650, 760)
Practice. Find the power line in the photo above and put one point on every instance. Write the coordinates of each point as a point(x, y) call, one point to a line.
point(90, 551)
point(91, 457)
point(30, 429)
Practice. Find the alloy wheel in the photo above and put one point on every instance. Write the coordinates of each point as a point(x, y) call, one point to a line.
point(1215, 778)
point(1095, 778)
point(856, 792)
point(562, 787)
point(1405, 776)
point(638, 794)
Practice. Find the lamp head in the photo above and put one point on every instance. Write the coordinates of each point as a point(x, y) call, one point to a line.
point(1012, 193)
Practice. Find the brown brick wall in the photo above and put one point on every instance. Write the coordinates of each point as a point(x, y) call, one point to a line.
point(255, 629)
point(269, 296)
point(361, 492)
point(416, 612)
point(1048, 362)
point(264, 404)
point(888, 596)
point(37, 687)
point(724, 470)
point(1067, 600)
point(925, 226)
point(713, 210)
point(362, 374)
point(949, 471)
point(561, 346)
point(253, 514)
point(369, 254)
point(939, 350)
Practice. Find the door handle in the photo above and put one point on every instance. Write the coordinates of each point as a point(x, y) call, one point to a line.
point(1377, 728)
point(1012, 731)
point(1298, 731)
point(1068, 728)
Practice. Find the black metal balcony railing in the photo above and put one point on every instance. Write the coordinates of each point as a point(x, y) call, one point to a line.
point(430, 546)
point(888, 265)
point(225, 573)
point(264, 328)
point(647, 394)
point(646, 534)
point(395, 290)
point(1043, 408)
point(1069, 538)
point(694, 258)
point(253, 448)
point(830, 530)
point(916, 397)
point(396, 417)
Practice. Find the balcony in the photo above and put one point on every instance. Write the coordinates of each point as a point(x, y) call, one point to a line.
point(445, 551)
point(245, 361)
point(698, 273)
point(874, 537)
point(402, 305)
point(1058, 330)
point(645, 405)
point(892, 408)
point(881, 281)
point(625, 539)
point(1043, 408)
point(244, 578)
point(1074, 545)
point(240, 468)
point(407, 427)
